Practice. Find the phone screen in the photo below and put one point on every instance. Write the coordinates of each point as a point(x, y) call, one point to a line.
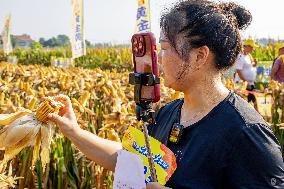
point(144, 64)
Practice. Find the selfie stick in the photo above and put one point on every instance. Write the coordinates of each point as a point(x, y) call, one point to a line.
point(144, 111)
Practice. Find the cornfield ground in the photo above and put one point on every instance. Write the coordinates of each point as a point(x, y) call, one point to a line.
point(103, 103)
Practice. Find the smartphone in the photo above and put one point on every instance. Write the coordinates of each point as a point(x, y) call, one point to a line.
point(146, 62)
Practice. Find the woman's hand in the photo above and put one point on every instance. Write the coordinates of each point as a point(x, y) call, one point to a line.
point(155, 185)
point(101, 151)
point(66, 119)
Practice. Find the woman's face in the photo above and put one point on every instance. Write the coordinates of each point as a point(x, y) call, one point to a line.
point(170, 63)
point(281, 51)
point(176, 73)
point(248, 49)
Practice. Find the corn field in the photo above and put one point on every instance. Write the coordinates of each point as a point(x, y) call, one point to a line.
point(103, 103)
point(104, 58)
point(268, 52)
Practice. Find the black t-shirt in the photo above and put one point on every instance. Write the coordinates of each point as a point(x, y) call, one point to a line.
point(232, 147)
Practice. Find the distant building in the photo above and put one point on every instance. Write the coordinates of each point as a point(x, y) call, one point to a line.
point(23, 41)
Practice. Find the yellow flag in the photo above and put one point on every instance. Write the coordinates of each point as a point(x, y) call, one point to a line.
point(77, 36)
point(6, 35)
point(143, 21)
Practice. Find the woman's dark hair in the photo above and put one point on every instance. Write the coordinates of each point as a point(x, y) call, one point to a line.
point(196, 23)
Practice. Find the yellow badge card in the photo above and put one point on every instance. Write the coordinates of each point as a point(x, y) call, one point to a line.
point(164, 159)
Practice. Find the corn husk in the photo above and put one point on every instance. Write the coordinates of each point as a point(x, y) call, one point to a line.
point(23, 130)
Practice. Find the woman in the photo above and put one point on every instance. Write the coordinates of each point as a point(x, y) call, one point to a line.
point(225, 143)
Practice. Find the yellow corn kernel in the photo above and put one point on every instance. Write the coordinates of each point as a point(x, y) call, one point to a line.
point(88, 86)
point(21, 85)
point(106, 91)
point(32, 104)
point(2, 98)
point(84, 98)
point(17, 100)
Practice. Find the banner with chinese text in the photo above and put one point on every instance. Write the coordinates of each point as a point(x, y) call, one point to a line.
point(77, 37)
point(6, 36)
point(143, 20)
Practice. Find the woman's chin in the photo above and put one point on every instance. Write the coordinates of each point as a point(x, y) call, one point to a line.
point(170, 85)
point(166, 84)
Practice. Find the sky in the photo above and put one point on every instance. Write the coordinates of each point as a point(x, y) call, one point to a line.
point(114, 20)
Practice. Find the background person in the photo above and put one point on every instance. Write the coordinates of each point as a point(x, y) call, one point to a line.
point(246, 66)
point(277, 72)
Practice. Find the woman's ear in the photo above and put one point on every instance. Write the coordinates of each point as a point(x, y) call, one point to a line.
point(202, 55)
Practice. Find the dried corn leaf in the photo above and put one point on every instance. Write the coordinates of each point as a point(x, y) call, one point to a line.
point(6, 119)
point(46, 137)
point(21, 128)
point(36, 149)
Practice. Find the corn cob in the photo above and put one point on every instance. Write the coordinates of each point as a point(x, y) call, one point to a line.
point(107, 93)
point(46, 107)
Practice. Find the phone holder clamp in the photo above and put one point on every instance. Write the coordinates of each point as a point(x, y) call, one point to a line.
point(139, 80)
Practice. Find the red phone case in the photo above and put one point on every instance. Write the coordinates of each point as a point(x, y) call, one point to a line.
point(142, 51)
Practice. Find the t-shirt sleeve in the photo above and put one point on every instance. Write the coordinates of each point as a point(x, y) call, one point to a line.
point(256, 160)
point(239, 63)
